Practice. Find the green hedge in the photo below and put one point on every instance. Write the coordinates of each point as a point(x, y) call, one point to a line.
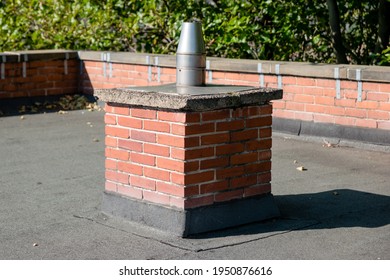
point(257, 29)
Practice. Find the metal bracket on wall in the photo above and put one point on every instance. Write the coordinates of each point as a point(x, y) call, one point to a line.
point(105, 58)
point(24, 66)
point(337, 78)
point(149, 68)
point(158, 68)
point(208, 69)
point(66, 63)
point(277, 72)
point(261, 75)
point(360, 85)
point(3, 61)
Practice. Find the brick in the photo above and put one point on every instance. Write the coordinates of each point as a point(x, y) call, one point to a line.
point(230, 172)
point(385, 106)
point(176, 202)
point(130, 191)
point(325, 100)
point(384, 87)
point(130, 168)
point(257, 190)
point(116, 154)
point(367, 104)
point(169, 188)
point(110, 187)
point(143, 113)
point(244, 135)
point(378, 96)
point(308, 82)
point(195, 178)
point(345, 102)
point(217, 138)
point(214, 187)
point(129, 122)
point(179, 117)
point(214, 163)
point(264, 155)
point(259, 122)
point(295, 106)
point(230, 125)
point(229, 195)
point(117, 131)
point(198, 153)
point(143, 159)
point(303, 98)
point(120, 110)
point(326, 83)
point(155, 197)
point(198, 201)
point(156, 150)
point(264, 178)
point(348, 84)
point(193, 129)
point(155, 173)
point(334, 111)
point(384, 125)
point(251, 111)
point(378, 115)
point(323, 118)
point(229, 149)
point(170, 164)
point(130, 145)
point(178, 141)
point(243, 158)
point(366, 123)
point(143, 182)
point(313, 91)
point(144, 136)
point(289, 80)
point(357, 113)
point(345, 121)
point(216, 115)
point(259, 167)
point(117, 176)
point(157, 126)
point(244, 181)
point(110, 164)
point(111, 141)
point(265, 132)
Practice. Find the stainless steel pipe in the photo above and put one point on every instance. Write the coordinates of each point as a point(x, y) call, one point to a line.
point(191, 56)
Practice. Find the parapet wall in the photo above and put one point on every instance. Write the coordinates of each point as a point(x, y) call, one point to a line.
point(38, 73)
point(344, 101)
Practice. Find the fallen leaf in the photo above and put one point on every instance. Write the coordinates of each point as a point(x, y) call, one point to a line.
point(327, 144)
point(301, 168)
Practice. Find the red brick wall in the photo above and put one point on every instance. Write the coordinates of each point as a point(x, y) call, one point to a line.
point(187, 160)
point(305, 98)
point(38, 76)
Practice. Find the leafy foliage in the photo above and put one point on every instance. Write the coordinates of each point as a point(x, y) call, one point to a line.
point(261, 29)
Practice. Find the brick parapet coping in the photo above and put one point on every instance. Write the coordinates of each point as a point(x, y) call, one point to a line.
point(352, 101)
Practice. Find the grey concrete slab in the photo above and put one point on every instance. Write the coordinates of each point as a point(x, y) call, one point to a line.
point(52, 180)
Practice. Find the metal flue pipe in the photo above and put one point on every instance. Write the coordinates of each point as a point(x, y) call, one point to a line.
point(191, 56)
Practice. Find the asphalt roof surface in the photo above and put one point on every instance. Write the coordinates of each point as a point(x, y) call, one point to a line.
point(52, 180)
